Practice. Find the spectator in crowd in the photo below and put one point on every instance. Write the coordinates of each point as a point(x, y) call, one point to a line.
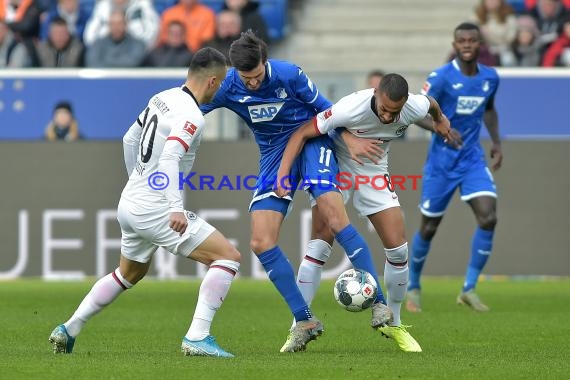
point(63, 126)
point(525, 49)
point(198, 19)
point(119, 48)
point(22, 16)
point(250, 17)
point(173, 52)
point(531, 4)
point(12, 53)
point(61, 49)
point(374, 78)
point(498, 24)
point(228, 29)
point(141, 17)
point(548, 15)
point(558, 54)
point(74, 15)
point(23, 19)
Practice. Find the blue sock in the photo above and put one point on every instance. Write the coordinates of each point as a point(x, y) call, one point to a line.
point(359, 254)
point(481, 247)
point(281, 273)
point(420, 250)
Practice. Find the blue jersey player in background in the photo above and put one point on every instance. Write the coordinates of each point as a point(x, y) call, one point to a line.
point(465, 90)
point(275, 98)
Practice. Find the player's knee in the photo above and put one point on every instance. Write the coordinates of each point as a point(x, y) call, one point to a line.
point(398, 255)
point(259, 244)
point(233, 254)
point(428, 230)
point(487, 221)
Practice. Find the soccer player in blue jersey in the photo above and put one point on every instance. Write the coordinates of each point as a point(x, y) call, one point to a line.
point(466, 91)
point(275, 98)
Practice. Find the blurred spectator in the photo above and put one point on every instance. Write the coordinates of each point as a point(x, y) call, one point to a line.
point(548, 15)
point(228, 29)
point(525, 49)
point(141, 17)
point(61, 49)
point(173, 52)
point(63, 126)
point(558, 54)
point(22, 16)
point(498, 24)
point(12, 53)
point(74, 15)
point(119, 48)
point(373, 78)
point(531, 4)
point(199, 20)
point(250, 17)
point(23, 19)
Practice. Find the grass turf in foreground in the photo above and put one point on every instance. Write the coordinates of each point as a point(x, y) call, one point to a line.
point(524, 336)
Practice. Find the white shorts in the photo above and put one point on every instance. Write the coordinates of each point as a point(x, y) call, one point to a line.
point(142, 232)
point(373, 192)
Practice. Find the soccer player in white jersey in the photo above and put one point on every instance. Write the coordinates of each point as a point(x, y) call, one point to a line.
point(466, 90)
point(160, 144)
point(376, 115)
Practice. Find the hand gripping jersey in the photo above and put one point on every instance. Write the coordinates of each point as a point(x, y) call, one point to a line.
point(463, 100)
point(357, 113)
point(164, 141)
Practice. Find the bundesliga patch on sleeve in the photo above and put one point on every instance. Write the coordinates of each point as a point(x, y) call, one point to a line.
point(426, 87)
point(190, 128)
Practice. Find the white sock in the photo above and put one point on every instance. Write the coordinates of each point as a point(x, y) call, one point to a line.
point(396, 279)
point(213, 290)
point(311, 268)
point(105, 290)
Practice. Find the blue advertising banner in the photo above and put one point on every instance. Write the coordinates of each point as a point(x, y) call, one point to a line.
point(532, 103)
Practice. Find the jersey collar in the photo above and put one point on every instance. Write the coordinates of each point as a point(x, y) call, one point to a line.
point(187, 90)
point(373, 105)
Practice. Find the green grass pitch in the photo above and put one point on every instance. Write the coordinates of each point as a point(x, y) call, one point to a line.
point(525, 336)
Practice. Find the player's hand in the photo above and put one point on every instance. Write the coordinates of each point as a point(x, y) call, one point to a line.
point(283, 186)
point(178, 222)
point(496, 156)
point(359, 147)
point(450, 136)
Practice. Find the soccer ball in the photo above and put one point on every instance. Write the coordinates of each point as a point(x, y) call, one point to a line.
point(355, 290)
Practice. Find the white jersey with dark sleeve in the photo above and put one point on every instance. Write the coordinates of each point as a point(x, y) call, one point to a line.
point(168, 134)
point(355, 113)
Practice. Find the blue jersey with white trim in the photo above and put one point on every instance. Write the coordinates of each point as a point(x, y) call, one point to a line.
point(286, 99)
point(464, 100)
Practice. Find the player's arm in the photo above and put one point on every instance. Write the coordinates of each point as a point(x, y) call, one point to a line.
point(131, 141)
point(294, 147)
point(175, 147)
point(491, 120)
point(441, 124)
point(361, 147)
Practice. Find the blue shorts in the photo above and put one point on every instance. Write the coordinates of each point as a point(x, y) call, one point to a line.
point(437, 188)
point(315, 171)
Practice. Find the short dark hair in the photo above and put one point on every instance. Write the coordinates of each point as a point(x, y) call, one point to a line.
point(467, 26)
point(247, 51)
point(395, 86)
point(206, 59)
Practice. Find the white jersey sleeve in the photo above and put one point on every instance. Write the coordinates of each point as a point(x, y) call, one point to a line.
point(341, 114)
point(177, 144)
point(415, 109)
point(131, 146)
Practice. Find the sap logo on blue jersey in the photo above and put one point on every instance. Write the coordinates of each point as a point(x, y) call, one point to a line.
point(466, 105)
point(264, 112)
